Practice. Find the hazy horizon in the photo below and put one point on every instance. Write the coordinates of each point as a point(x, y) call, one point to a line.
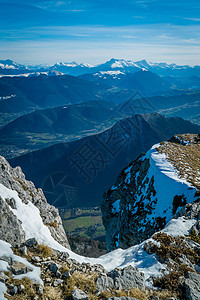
point(94, 65)
point(92, 31)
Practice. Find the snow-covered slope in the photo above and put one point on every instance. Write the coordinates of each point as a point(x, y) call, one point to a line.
point(136, 256)
point(10, 64)
point(35, 74)
point(147, 193)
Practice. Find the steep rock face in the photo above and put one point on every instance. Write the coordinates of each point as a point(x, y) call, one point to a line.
point(149, 192)
point(10, 226)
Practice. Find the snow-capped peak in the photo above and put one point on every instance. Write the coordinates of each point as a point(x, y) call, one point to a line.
point(72, 65)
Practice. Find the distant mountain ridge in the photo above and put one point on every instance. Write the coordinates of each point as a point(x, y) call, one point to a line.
point(76, 69)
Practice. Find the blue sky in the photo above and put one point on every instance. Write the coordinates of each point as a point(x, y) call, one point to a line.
point(93, 31)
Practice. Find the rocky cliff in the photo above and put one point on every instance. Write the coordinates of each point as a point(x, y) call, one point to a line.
point(13, 228)
point(151, 190)
point(34, 264)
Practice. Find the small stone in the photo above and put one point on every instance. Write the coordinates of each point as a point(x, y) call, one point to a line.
point(67, 274)
point(78, 294)
point(3, 277)
point(10, 286)
point(64, 256)
point(24, 250)
point(11, 202)
point(153, 297)
point(53, 267)
point(18, 268)
point(57, 282)
point(31, 242)
point(14, 291)
point(21, 287)
point(40, 290)
point(36, 259)
point(48, 280)
point(58, 274)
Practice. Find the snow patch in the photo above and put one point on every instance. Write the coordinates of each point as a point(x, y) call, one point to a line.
point(3, 290)
point(6, 251)
point(179, 227)
point(116, 206)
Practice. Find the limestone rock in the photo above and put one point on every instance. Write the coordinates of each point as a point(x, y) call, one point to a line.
point(192, 285)
point(53, 267)
point(14, 291)
point(78, 294)
point(18, 268)
point(10, 227)
point(31, 242)
point(126, 278)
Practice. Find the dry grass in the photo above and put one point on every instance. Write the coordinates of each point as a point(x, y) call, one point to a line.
point(52, 293)
point(29, 292)
point(40, 250)
point(185, 158)
point(140, 295)
point(135, 293)
point(53, 224)
point(81, 281)
point(194, 237)
point(24, 186)
point(44, 250)
point(174, 248)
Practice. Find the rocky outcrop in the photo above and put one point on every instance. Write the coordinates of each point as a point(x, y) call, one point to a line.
point(149, 192)
point(192, 285)
point(126, 278)
point(10, 227)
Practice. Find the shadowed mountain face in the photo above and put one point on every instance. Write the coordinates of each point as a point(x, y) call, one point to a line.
point(63, 119)
point(47, 127)
point(44, 91)
point(145, 82)
point(76, 174)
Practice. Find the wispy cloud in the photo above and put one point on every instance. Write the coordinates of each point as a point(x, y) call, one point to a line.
point(193, 19)
point(47, 30)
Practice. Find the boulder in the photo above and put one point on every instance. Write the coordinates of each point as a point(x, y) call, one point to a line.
point(14, 291)
point(18, 268)
point(53, 267)
point(31, 242)
point(78, 294)
point(122, 279)
point(104, 283)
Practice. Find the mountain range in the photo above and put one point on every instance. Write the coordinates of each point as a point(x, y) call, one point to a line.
point(36, 259)
point(44, 127)
point(88, 166)
point(76, 69)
